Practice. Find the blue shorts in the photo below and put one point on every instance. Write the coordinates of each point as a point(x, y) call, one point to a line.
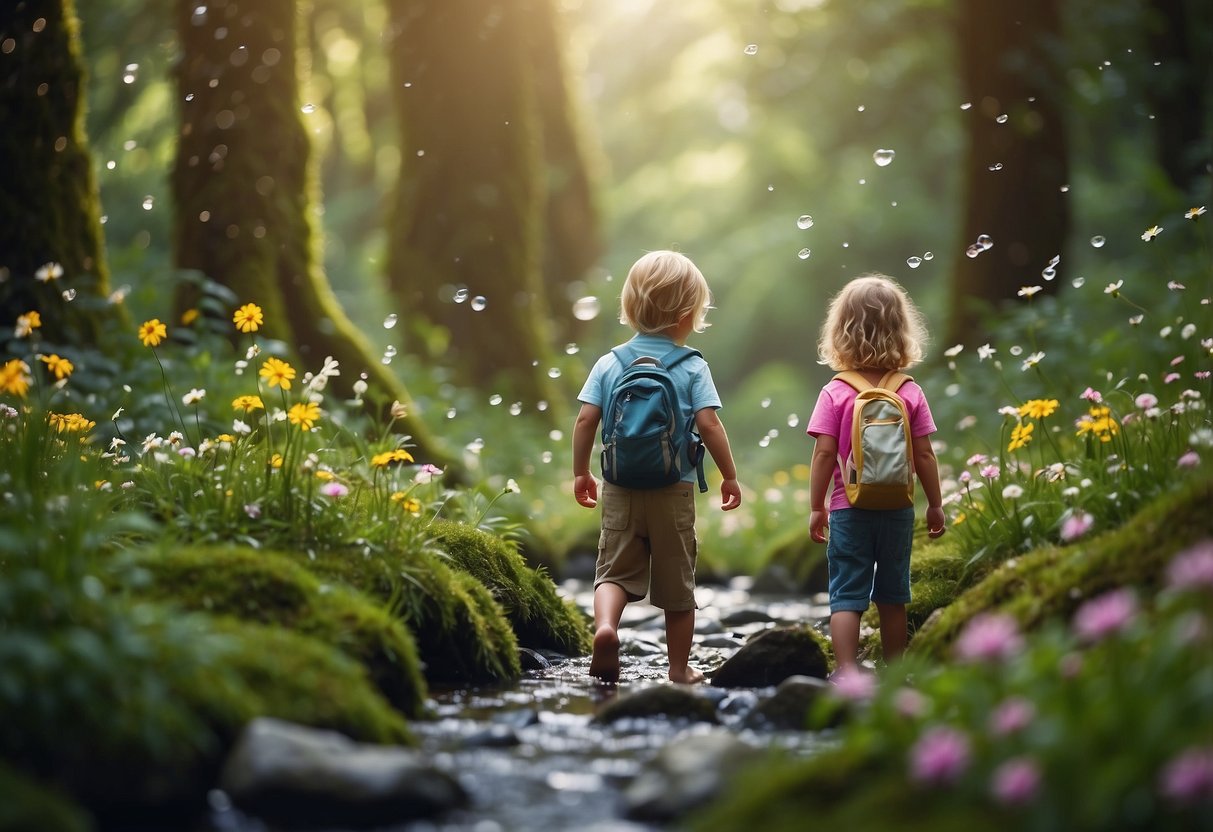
point(869, 557)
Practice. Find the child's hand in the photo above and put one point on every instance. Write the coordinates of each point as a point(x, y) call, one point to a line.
point(819, 525)
point(585, 489)
point(937, 524)
point(730, 495)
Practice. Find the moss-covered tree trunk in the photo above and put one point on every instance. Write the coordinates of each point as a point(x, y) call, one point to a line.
point(471, 210)
point(243, 187)
point(49, 204)
point(1009, 67)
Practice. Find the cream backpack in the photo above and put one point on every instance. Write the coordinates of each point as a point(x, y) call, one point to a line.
point(879, 474)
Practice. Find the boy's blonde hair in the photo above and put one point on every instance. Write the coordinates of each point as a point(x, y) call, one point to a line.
point(872, 323)
point(662, 287)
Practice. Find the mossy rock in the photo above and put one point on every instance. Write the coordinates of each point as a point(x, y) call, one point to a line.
point(462, 633)
point(26, 804)
point(773, 655)
point(271, 588)
point(540, 617)
point(1051, 582)
point(803, 562)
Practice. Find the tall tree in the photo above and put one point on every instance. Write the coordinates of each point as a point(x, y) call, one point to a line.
point(1011, 75)
point(243, 185)
point(478, 129)
point(49, 208)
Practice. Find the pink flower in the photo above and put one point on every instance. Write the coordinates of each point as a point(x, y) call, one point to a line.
point(1192, 568)
point(909, 703)
point(1170, 377)
point(1189, 460)
point(989, 637)
point(991, 472)
point(1105, 615)
point(854, 685)
point(1146, 400)
point(1093, 396)
point(940, 756)
point(1177, 360)
point(1188, 777)
point(964, 477)
point(252, 510)
point(977, 459)
point(187, 452)
point(427, 473)
point(1076, 525)
point(1011, 716)
point(334, 489)
point(1015, 782)
point(1202, 374)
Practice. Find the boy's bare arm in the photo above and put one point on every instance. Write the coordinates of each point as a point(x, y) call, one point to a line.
point(585, 487)
point(927, 469)
point(711, 431)
point(825, 449)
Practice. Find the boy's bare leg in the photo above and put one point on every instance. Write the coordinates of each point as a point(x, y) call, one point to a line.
point(844, 635)
point(893, 630)
point(679, 633)
point(609, 601)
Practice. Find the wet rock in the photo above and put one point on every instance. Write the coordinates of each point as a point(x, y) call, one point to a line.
point(495, 736)
point(746, 615)
point(303, 777)
point(722, 642)
point(532, 660)
point(788, 708)
point(670, 701)
point(739, 702)
point(517, 719)
point(775, 579)
point(706, 625)
point(772, 656)
point(685, 774)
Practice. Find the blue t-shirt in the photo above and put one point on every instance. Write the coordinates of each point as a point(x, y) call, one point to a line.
point(692, 377)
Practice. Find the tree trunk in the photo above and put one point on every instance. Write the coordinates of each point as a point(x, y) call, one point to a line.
point(472, 199)
point(49, 204)
point(243, 187)
point(1009, 67)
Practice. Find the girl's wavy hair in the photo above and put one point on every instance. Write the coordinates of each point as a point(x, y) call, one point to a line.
point(872, 323)
point(661, 287)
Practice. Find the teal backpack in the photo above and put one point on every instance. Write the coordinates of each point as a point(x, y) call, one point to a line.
point(645, 444)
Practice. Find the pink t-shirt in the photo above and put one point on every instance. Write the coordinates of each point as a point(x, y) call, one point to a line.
point(833, 411)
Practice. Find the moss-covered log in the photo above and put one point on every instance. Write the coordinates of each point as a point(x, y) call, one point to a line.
point(244, 189)
point(49, 203)
point(472, 198)
point(539, 616)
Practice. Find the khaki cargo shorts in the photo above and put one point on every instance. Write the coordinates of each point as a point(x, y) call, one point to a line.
point(648, 544)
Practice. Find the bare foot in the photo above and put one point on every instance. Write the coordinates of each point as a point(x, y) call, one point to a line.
point(689, 676)
point(605, 662)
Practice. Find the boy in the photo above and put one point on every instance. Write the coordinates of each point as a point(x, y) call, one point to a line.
point(648, 541)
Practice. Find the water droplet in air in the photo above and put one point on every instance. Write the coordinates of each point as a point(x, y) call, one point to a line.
point(1097, 241)
point(793, 420)
point(968, 105)
point(882, 157)
point(804, 221)
point(554, 372)
point(389, 354)
point(571, 349)
point(804, 254)
point(913, 262)
point(1054, 260)
point(996, 166)
point(770, 187)
point(860, 108)
point(751, 49)
point(199, 16)
point(130, 74)
point(390, 321)
point(1049, 273)
point(478, 303)
point(450, 413)
point(972, 251)
point(546, 456)
point(69, 295)
point(495, 399)
point(985, 242)
point(765, 403)
point(1016, 350)
point(149, 202)
point(1065, 189)
point(461, 295)
point(764, 442)
point(308, 108)
point(1078, 282)
point(928, 255)
point(1002, 119)
point(515, 408)
point(111, 164)
point(586, 309)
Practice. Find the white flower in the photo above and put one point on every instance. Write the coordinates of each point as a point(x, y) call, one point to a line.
point(1032, 360)
point(952, 352)
point(1009, 410)
point(1113, 289)
point(511, 486)
point(151, 442)
point(1193, 213)
point(117, 413)
point(1151, 232)
point(116, 443)
point(194, 396)
point(241, 428)
point(175, 438)
point(1028, 291)
point(1188, 331)
point(318, 382)
point(48, 272)
point(252, 353)
point(985, 351)
point(205, 446)
point(252, 510)
point(399, 410)
point(1012, 492)
point(1136, 320)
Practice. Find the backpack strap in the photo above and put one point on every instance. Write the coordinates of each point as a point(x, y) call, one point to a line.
point(854, 379)
point(892, 380)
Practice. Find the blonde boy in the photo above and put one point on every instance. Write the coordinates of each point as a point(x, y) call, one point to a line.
point(647, 544)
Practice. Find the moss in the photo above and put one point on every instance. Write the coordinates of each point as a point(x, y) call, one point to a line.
point(26, 805)
point(539, 616)
point(803, 560)
point(270, 588)
point(1051, 582)
point(462, 633)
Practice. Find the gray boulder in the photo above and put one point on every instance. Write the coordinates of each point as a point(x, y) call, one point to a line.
point(676, 702)
point(685, 775)
point(772, 656)
point(788, 707)
point(298, 776)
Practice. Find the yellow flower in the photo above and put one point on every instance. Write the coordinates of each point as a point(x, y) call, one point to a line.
point(70, 422)
point(277, 373)
point(189, 316)
point(960, 518)
point(323, 475)
point(276, 461)
point(27, 323)
point(247, 403)
point(407, 503)
point(1038, 408)
point(1021, 435)
point(388, 457)
point(304, 415)
point(1100, 422)
point(225, 437)
point(248, 318)
point(152, 332)
point(61, 367)
point(15, 377)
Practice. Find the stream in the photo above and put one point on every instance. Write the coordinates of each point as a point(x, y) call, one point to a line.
point(529, 753)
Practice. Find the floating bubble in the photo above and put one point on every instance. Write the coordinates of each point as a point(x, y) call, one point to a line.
point(1065, 189)
point(571, 349)
point(554, 372)
point(793, 420)
point(461, 295)
point(546, 456)
point(804, 254)
point(863, 181)
point(751, 49)
point(69, 295)
point(149, 202)
point(968, 105)
point(764, 442)
point(555, 435)
point(985, 241)
point(308, 109)
point(130, 74)
point(995, 166)
point(1002, 119)
point(1049, 273)
point(928, 255)
point(770, 188)
point(390, 321)
point(587, 308)
point(913, 262)
point(972, 251)
point(882, 157)
point(495, 399)
point(478, 303)
point(860, 108)
point(804, 221)
point(389, 354)
point(1078, 282)
point(450, 413)
point(765, 403)
point(1097, 241)
point(515, 408)
point(199, 16)
point(1054, 260)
